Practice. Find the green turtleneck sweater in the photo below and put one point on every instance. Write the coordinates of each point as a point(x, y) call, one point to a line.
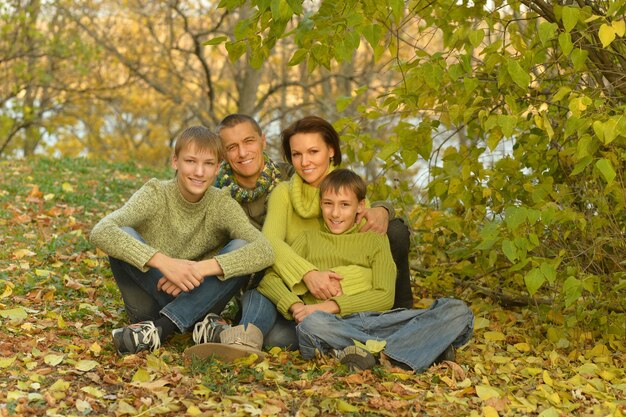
point(362, 259)
point(179, 229)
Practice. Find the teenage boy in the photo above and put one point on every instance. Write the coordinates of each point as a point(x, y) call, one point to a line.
point(179, 246)
point(413, 338)
point(250, 175)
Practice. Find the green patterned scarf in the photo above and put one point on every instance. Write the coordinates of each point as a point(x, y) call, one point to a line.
point(270, 176)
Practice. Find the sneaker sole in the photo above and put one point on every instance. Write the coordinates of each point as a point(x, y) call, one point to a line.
point(357, 359)
point(223, 352)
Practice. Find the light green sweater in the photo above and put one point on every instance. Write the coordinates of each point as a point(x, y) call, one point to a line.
point(363, 260)
point(177, 228)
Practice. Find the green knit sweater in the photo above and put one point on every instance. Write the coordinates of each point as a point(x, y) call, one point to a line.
point(177, 228)
point(363, 260)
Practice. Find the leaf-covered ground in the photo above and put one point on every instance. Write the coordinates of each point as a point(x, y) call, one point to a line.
point(58, 304)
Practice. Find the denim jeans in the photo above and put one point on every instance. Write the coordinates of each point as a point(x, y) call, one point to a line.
point(143, 301)
point(414, 337)
point(260, 311)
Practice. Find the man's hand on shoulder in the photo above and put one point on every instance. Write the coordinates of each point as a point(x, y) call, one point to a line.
point(376, 220)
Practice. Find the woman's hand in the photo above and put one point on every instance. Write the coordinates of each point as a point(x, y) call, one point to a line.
point(376, 220)
point(323, 284)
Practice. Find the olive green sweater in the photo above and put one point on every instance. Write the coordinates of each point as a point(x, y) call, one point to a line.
point(177, 228)
point(362, 259)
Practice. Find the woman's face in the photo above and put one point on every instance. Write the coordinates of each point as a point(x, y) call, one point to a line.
point(310, 156)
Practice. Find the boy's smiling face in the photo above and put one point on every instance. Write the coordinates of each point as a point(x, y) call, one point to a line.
point(340, 208)
point(197, 170)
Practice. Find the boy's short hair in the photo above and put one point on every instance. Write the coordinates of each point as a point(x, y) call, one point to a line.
point(202, 138)
point(235, 119)
point(344, 178)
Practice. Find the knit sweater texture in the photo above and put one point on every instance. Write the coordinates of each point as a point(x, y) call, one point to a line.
point(362, 259)
point(180, 229)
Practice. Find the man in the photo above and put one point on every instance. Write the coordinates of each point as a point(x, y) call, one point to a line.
point(251, 175)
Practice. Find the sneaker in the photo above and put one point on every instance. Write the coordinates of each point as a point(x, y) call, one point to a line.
point(447, 355)
point(355, 358)
point(209, 329)
point(137, 337)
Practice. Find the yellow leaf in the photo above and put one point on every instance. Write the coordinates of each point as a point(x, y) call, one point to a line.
point(619, 26)
point(124, 408)
point(67, 187)
point(42, 272)
point(91, 263)
point(495, 336)
point(52, 359)
point(86, 365)
point(95, 348)
point(400, 376)
point(141, 376)
point(93, 391)
point(345, 407)
point(598, 350)
point(193, 411)
point(606, 34)
point(48, 197)
point(8, 288)
point(14, 314)
point(83, 406)
point(6, 362)
point(547, 378)
point(61, 323)
point(21, 253)
point(375, 346)
point(489, 411)
point(59, 385)
point(275, 350)
point(522, 347)
point(486, 392)
point(607, 375)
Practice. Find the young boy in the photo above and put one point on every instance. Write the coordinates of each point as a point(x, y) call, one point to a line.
point(415, 338)
point(181, 243)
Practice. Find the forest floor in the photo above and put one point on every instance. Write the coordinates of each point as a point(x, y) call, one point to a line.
point(58, 305)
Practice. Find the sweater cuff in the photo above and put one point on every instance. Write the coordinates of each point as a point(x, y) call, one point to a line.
point(387, 206)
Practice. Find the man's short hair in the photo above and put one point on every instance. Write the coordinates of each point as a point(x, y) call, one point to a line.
point(344, 178)
point(202, 138)
point(235, 119)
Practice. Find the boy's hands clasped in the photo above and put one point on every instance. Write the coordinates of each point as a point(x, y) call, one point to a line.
point(180, 275)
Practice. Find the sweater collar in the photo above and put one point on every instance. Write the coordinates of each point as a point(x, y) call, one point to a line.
point(184, 202)
point(353, 229)
point(305, 198)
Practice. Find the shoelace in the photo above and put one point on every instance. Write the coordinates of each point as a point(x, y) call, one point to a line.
point(203, 332)
point(150, 336)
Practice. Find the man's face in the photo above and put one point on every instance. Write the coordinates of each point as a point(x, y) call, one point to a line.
point(196, 171)
point(244, 152)
point(340, 208)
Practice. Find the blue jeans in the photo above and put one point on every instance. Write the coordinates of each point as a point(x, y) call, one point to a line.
point(260, 311)
point(414, 337)
point(143, 301)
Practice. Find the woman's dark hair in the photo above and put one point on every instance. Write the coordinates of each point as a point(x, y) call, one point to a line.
point(312, 124)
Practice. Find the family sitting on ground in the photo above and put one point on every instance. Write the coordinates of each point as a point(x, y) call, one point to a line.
point(327, 270)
